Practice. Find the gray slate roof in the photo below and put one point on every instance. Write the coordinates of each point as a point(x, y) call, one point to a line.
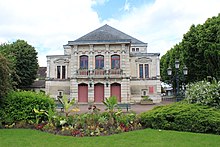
point(106, 33)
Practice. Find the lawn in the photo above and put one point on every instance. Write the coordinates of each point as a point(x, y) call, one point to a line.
point(147, 137)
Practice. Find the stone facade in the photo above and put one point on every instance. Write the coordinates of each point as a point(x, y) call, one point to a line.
point(103, 63)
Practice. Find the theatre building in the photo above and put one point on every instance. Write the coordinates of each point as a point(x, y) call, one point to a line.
point(105, 62)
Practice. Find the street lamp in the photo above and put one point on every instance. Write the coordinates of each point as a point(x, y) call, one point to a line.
point(176, 77)
point(185, 70)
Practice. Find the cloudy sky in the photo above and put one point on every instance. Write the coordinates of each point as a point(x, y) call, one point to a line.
point(49, 24)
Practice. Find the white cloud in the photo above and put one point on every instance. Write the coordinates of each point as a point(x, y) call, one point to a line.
point(49, 24)
point(99, 2)
point(163, 23)
point(127, 6)
point(46, 24)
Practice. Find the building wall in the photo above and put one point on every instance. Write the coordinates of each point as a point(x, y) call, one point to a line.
point(137, 88)
point(132, 86)
point(54, 87)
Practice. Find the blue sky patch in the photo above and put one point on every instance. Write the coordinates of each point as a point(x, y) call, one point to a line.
point(116, 8)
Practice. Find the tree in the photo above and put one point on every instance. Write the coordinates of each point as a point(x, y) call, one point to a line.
point(5, 84)
point(25, 63)
point(199, 50)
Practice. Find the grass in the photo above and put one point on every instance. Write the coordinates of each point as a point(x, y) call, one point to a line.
point(147, 137)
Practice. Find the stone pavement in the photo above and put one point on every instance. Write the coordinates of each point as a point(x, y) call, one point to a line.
point(137, 108)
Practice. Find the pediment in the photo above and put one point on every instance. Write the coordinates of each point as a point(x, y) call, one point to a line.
point(143, 60)
point(61, 61)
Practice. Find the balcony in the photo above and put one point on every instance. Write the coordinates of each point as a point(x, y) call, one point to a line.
point(99, 73)
point(82, 73)
point(115, 73)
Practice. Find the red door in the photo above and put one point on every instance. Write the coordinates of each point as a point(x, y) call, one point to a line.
point(116, 91)
point(99, 92)
point(83, 93)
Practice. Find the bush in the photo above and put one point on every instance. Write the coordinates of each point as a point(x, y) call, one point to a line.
point(183, 117)
point(19, 105)
point(204, 93)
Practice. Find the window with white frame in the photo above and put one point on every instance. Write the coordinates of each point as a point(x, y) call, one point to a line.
point(144, 71)
point(61, 72)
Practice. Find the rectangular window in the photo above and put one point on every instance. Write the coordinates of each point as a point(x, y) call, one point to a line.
point(58, 72)
point(141, 70)
point(137, 49)
point(133, 49)
point(146, 67)
point(63, 72)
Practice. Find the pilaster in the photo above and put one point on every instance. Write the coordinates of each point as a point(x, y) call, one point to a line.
point(91, 92)
point(125, 91)
point(107, 90)
point(74, 89)
point(74, 60)
point(91, 57)
point(107, 58)
point(48, 67)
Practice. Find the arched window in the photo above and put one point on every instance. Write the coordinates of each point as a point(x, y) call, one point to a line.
point(99, 62)
point(115, 60)
point(83, 62)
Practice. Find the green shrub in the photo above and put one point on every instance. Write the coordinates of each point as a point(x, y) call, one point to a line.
point(19, 105)
point(111, 103)
point(204, 93)
point(183, 117)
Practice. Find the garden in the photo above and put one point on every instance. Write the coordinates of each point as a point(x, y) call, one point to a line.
point(198, 113)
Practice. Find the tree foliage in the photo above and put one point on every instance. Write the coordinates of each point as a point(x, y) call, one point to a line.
point(199, 50)
point(5, 84)
point(24, 59)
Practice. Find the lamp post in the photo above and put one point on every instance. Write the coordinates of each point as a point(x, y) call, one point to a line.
point(176, 76)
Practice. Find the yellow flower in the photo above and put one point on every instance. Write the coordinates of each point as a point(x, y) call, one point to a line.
point(75, 110)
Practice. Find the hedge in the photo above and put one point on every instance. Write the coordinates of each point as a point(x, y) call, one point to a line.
point(183, 117)
point(19, 105)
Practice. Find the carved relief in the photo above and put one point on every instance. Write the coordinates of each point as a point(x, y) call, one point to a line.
point(61, 61)
point(143, 60)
